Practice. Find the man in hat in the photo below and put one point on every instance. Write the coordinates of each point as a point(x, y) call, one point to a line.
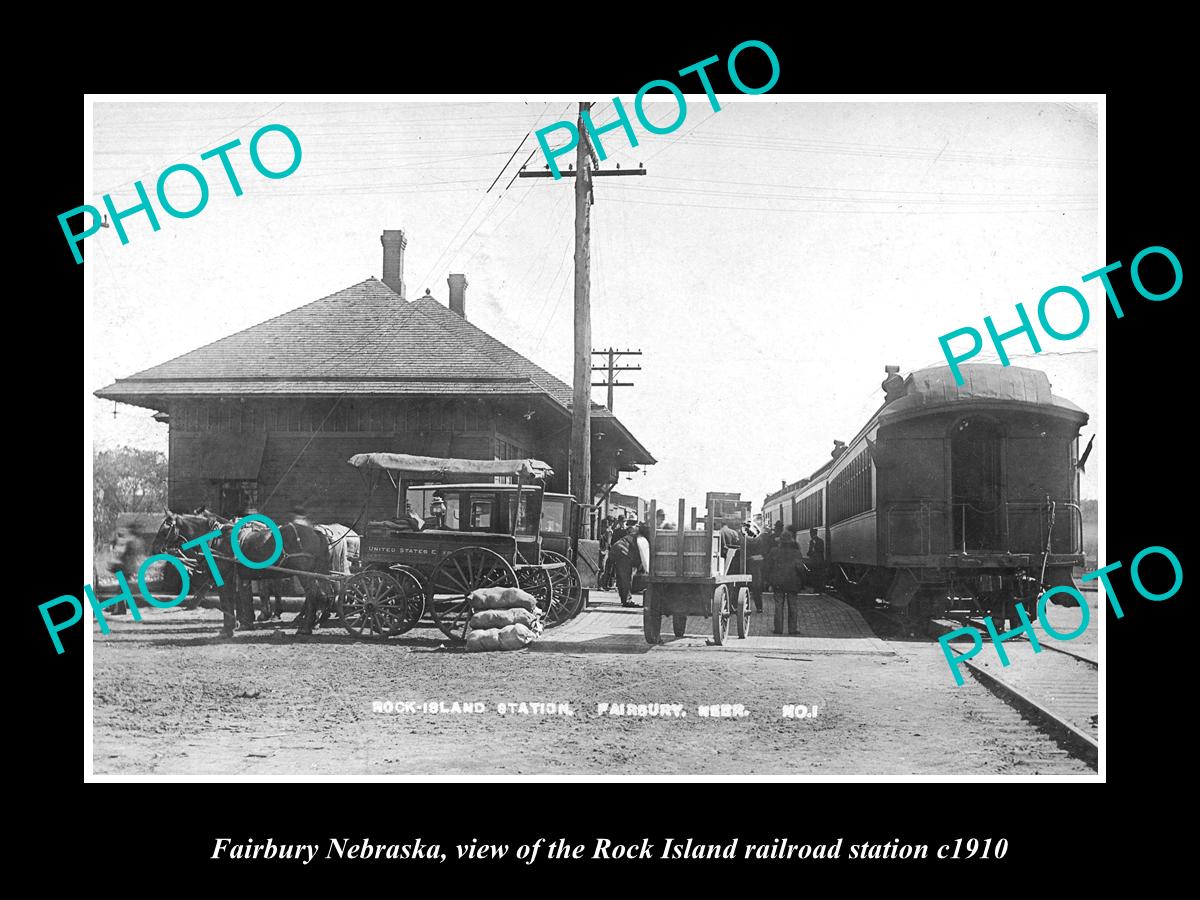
point(816, 561)
point(437, 510)
point(757, 544)
point(784, 569)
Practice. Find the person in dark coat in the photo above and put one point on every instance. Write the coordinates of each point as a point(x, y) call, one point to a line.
point(816, 561)
point(631, 553)
point(606, 536)
point(757, 548)
point(783, 568)
point(618, 531)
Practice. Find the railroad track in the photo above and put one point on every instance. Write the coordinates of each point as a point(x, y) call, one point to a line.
point(1062, 707)
point(1045, 645)
point(1058, 699)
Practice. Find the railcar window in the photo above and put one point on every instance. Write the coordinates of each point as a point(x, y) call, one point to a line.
point(850, 491)
point(809, 511)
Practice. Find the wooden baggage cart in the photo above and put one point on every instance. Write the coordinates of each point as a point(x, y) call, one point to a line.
point(688, 578)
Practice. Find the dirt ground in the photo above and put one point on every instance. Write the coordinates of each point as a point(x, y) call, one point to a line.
point(173, 697)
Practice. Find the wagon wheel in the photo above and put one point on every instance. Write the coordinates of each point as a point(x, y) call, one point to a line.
point(539, 584)
point(651, 618)
point(568, 591)
point(458, 574)
point(720, 614)
point(405, 617)
point(380, 604)
point(679, 623)
point(743, 613)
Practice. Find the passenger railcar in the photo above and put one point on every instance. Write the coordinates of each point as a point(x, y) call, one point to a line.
point(952, 497)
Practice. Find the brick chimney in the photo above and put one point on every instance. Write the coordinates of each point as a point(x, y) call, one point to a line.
point(458, 294)
point(394, 243)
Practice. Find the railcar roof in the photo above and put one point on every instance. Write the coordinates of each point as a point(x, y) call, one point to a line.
point(926, 388)
point(934, 387)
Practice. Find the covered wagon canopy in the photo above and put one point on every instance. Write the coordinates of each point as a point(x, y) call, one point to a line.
point(441, 467)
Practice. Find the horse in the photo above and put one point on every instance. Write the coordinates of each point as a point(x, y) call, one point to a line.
point(180, 528)
point(265, 588)
point(304, 548)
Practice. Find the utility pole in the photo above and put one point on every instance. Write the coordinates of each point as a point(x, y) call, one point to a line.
point(581, 406)
point(611, 368)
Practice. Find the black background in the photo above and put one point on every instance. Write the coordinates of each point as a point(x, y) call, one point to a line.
point(166, 831)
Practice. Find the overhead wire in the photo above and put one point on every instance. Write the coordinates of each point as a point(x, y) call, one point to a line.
point(206, 146)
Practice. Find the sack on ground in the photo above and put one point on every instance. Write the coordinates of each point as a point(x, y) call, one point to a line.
point(502, 598)
point(514, 637)
point(502, 618)
point(480, 640)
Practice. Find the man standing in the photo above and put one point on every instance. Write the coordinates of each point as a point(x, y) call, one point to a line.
point(816, 560)
point(606, 535)
point(784, 569)
point(756, 549)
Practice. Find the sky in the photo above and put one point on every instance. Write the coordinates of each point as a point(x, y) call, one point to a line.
point(775, 257)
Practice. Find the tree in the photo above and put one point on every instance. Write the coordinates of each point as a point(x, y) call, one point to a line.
point(125, 480)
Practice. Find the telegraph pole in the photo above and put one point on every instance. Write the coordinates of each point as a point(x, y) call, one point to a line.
point(581, 406)
point(613, 367)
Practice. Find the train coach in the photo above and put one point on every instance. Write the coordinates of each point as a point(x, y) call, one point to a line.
point(952, 498)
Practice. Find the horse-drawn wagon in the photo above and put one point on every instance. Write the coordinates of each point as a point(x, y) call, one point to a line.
point(452, 539)
point(688, 578)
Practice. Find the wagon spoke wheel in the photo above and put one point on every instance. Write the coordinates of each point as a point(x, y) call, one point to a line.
point(538, 583)
point(378, 604)
point(568, 590)
point(720, 614)
point(459, 573)
point(399, 615)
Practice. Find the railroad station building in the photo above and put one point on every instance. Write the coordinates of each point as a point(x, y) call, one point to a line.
point(269, 416)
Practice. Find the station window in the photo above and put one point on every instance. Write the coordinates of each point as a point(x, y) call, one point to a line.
point(237, 496)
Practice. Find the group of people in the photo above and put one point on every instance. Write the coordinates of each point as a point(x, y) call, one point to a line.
point(774, 560)
point(624, 551)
